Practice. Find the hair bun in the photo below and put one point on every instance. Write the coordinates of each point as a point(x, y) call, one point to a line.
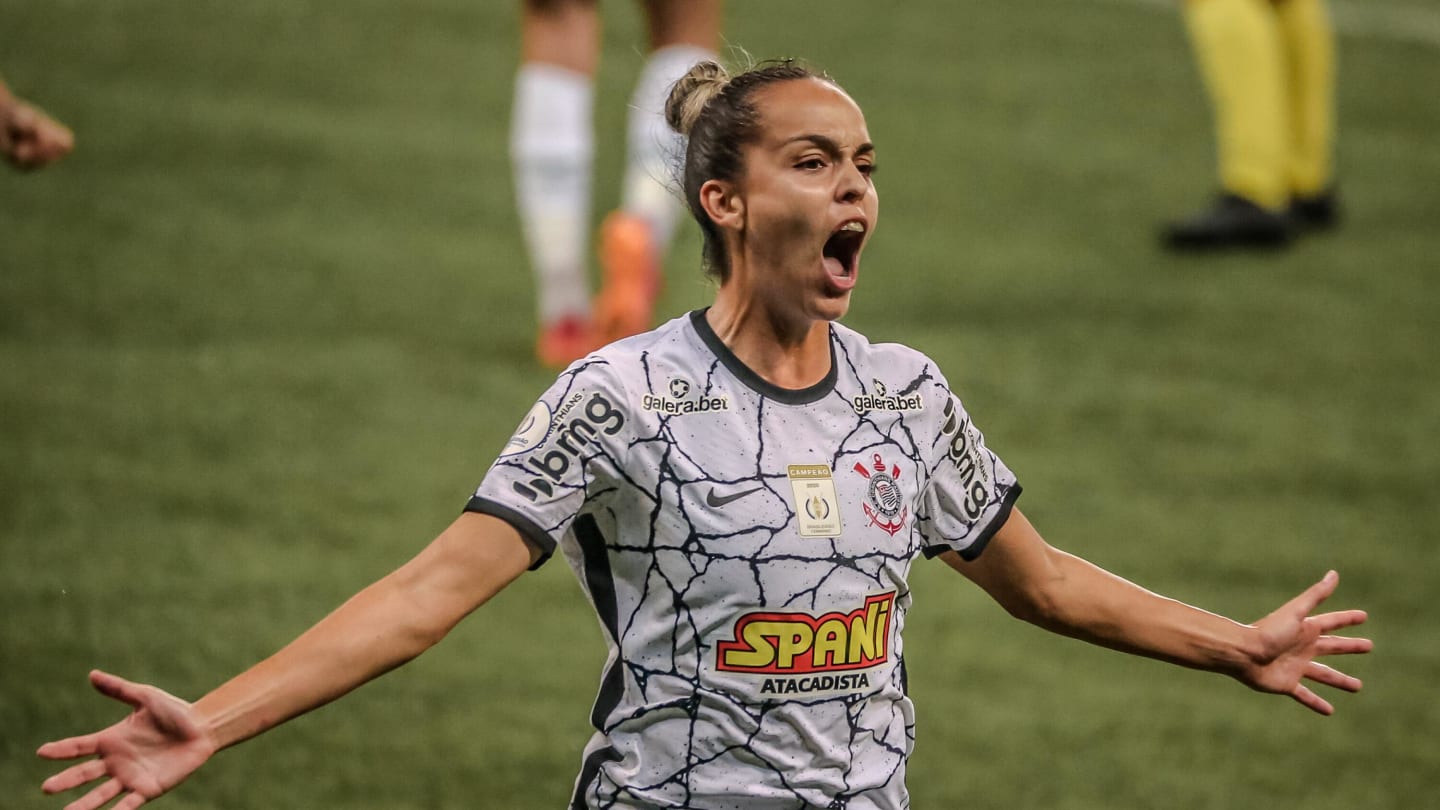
point(691, 93)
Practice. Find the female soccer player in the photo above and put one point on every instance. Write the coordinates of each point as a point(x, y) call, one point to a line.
point(741, 493)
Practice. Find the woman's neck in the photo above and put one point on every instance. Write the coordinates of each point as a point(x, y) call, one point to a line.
point(787, 352)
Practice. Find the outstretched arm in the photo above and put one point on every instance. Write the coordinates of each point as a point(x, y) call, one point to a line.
point(1063, 593)
point(388, 623)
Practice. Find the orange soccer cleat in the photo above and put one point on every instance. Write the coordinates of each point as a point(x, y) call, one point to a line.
point(564, 341)
point(631, 264)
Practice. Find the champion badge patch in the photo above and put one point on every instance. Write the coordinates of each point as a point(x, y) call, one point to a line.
point(817, 508)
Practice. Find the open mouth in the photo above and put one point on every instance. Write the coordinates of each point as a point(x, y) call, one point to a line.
point(842, 252)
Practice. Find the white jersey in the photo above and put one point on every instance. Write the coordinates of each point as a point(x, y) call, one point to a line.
point(746, 549)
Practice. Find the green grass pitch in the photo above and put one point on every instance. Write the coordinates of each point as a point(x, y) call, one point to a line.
point(264, 331)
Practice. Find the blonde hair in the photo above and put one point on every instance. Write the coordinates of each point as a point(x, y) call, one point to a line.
point(716, 112)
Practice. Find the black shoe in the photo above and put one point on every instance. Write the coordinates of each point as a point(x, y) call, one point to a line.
point(1320, 212)
point(1232, 222)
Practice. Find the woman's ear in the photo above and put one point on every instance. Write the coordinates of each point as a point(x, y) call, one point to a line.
point(723, 204)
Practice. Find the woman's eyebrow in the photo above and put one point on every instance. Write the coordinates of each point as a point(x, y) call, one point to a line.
point(829, 144)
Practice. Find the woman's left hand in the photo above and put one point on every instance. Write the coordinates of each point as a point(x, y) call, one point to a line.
point(1290, 641)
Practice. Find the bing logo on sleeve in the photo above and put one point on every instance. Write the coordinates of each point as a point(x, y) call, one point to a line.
point(964, 450)
point(567, 442)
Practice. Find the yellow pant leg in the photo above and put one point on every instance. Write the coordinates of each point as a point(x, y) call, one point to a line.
point(1239, 49)
point(1309, 39)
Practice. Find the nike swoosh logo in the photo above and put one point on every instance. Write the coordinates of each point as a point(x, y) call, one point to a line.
point(711, 499)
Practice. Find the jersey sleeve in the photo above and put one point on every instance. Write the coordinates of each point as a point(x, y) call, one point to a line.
point(565, 457)
point(970, 492)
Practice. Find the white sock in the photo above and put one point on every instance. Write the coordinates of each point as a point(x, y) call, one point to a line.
point(654, 151)
point(552, 146)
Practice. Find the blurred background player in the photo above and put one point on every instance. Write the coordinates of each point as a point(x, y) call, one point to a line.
point(29, 138)
point(552, 146)
point(1269, 69)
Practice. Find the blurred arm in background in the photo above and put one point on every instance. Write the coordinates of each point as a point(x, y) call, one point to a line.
point(30, 139)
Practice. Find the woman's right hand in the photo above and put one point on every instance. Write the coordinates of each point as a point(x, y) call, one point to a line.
point(151, 751)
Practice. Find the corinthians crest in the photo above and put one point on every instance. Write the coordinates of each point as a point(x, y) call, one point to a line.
point(885, 502)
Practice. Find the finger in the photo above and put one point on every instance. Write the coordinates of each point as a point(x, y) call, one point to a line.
point(1312, 701)
point(23, 153)
point(130, 802)
point(1311, 597)
point(61, 142)
point(100, 795)
point(52, 141)
point(69, 748)
point(74, 776)
point(1329, 676)
point(47, 154)
point(118, 688)
point(1342, 645)
point(23, 118)
point(1330, 622)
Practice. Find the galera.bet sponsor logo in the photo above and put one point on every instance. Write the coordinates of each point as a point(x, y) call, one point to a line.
point(566, 441)
point(882, 400)
point(680, 402)
point(806, 654)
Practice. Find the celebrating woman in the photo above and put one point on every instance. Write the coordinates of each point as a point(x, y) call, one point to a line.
point(741, 493)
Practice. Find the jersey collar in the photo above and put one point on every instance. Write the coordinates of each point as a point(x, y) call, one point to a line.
point(756, 383)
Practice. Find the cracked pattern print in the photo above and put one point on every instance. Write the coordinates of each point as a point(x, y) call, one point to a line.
point(746, 549)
